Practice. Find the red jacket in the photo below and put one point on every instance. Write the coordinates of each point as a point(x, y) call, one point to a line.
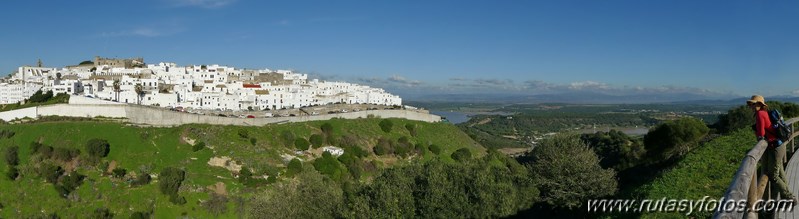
point(763, 126)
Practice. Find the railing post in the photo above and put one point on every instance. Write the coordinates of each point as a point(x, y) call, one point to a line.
point(752, 197)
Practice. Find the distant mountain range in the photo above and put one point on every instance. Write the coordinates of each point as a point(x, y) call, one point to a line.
point(592, 98)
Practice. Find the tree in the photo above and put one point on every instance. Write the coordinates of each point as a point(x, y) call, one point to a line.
point(317, 140)
point(301, 144)
point(170, 179)
point(386, 125)
point(615, 149)
point(139, 92)
point(244, 175)
point(198, 146)
point(12, 157)
point(674, 138)
point(98, 147)
point(312, 195)
point(50, 172)
point(87, 62)
point(567, 155)
point(117, 89)
point(294, 167)
point(102, 213)
point(461, 155)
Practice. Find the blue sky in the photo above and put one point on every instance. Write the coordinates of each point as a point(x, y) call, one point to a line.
point(713, 48)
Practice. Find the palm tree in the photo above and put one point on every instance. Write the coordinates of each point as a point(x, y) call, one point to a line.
point(116, 89)
point(139, 92)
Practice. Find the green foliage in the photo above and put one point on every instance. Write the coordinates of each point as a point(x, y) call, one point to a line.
point(706, 171)
point(317, 140)
point(198, 146)
point(253, 141)
point(353, 164)
point(69, 183)
point(474, 189)
point(288, 138)
point(65, 154)
point(12, 173)
point(140, 215)
point(102, 213)
point(435, 149)
point(327, 128)
point(742, 117)
point(411, 129)
point(243, 133)
point(567, 155)
point(328, 165)
point(169, 180)
point(98, 147)
point(312, 195)
point(87, 62)
point(142, 179)
point(50, 172)
point(615, 149)
point(301, 144)
point(7, 133)
point(386, 125)
point(216, 204)
point(384, 147)
point(294, 167)
point(119, 172)
point(461, 155)
point(244, 175)
point(421, 149)
point(12, 155)
point(177, 199)
point(674, 138)
point(40, 97)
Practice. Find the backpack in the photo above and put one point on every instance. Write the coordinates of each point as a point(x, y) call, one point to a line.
point(781, 130)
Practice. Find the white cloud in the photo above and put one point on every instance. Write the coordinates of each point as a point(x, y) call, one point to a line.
point(796, 92)
point(142, 32)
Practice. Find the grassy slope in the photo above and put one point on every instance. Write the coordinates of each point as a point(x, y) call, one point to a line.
point(706, 171)
point(133, 147)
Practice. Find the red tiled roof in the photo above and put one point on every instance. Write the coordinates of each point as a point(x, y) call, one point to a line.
point(252, 86)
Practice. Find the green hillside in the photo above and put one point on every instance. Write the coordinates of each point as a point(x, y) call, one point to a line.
point(706, 171)
point(263, 150)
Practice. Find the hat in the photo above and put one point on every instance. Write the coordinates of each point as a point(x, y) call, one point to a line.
point(757, 99)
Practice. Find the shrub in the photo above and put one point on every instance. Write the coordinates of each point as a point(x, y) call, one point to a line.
point(421, 149)
point(384, 147)
point(102, 213)
point(170, 179)
point(587, 179)
point(140, 215)
point(288, 138)
point(69, 183)
point(327, 128)
point(65, 154)
point(244, 134)
point(294, 167)
point(411, 129)
point(119, 172)
point(317, 140)
point(97, 147)
point(328, 165)
point(244, 175)
point(461, 155)
point(301, 144)
point(197, 147)
point(177, 199)
point(253, 141)
point(12, 173)
point(142, 179)
point(12, 155)
point(674, 138)
point(386, 125)
point(435, 149)
point(50, 172)
point(36, 147)
point(6, 133)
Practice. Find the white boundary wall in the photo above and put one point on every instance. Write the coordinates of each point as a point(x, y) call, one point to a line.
point(162, 117)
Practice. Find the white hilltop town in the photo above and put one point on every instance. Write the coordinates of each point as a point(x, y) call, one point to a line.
point(199, 87)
